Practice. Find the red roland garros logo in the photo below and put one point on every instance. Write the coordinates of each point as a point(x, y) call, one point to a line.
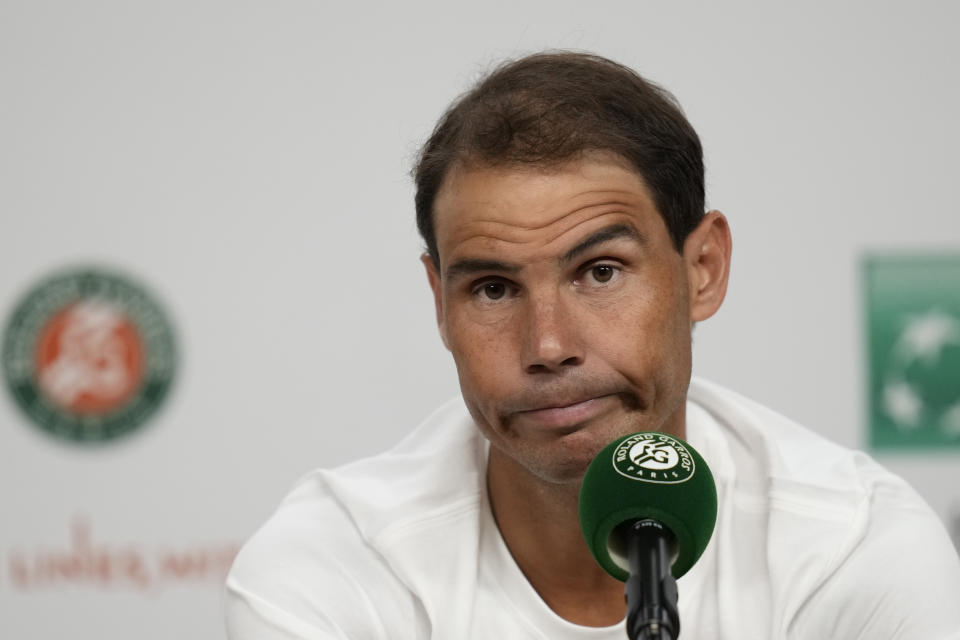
point(88, 355)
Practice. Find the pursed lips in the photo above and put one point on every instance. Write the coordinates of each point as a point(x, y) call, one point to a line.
point(564, 414)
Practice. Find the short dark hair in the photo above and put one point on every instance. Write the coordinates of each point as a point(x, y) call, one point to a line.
point(550, 107)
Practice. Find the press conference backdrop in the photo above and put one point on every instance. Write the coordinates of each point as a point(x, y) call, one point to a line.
point(208, 262)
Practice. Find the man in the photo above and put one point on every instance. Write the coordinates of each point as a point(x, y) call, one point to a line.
point(562, 206)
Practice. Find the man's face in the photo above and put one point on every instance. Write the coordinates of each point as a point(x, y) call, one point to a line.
point(566, 307)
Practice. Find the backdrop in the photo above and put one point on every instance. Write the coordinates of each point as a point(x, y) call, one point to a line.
point(232, 178)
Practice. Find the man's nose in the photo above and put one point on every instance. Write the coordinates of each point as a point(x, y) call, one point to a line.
point(552, 340)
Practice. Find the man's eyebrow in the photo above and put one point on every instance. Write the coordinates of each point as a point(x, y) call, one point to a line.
point(469, 266)
point(606, 234)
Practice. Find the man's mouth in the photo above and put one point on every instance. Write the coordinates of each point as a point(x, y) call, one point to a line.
point(561, 414)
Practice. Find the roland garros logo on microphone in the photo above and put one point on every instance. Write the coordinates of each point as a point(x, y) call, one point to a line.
point(88, 355)
point(654, 457)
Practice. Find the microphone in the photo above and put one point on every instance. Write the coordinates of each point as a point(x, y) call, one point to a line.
point(648, 506)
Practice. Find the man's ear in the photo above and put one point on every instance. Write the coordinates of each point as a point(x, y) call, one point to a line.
point(433, 276)
point(706, 253)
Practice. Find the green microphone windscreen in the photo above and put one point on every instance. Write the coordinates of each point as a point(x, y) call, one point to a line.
point(647, 475)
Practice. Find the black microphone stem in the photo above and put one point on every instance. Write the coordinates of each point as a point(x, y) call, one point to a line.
point(651, 590)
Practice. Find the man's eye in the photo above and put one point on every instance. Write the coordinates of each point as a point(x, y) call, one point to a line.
point(492, 290)
point(602, 272)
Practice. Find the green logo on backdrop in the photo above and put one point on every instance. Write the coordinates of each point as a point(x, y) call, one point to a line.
point(88, 355)
point(913, 329)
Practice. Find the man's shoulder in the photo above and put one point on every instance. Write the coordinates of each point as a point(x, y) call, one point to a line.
point(357, 534)
point(833, 523)
point(819, 502)
point(772, 453)
point(437, 469)
point(307, 572)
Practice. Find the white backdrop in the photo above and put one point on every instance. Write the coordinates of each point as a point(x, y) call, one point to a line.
point(248, 162)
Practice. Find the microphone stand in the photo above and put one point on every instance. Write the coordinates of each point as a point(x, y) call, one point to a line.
point(651, 590)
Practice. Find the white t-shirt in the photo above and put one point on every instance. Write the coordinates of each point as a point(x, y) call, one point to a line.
point(812, 541)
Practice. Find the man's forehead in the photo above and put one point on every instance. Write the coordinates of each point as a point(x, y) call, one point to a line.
point(536, 204)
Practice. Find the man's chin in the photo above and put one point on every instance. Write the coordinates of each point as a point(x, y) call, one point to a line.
point(572, 455)
point(562, 476)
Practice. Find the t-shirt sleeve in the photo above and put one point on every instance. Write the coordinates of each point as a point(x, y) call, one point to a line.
point(900, 581)
point(307, 573)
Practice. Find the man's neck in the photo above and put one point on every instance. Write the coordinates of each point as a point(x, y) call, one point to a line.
point(540, 526)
